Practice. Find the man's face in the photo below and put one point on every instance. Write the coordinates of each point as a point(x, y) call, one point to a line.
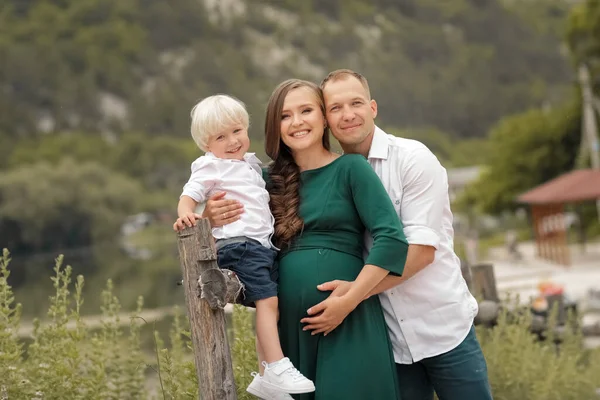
point(350, 113)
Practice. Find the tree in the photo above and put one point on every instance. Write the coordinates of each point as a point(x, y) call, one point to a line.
point(53, 148)
point(526, 150)
point(160, 163)
point(59, 56)
point(73, 204)
point(583, 31)
point(455, 65)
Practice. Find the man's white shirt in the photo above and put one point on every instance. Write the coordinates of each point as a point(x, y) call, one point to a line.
point(432, 312)
point(243, 181)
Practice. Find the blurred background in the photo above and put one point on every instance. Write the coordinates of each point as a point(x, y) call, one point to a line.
point(95, 98)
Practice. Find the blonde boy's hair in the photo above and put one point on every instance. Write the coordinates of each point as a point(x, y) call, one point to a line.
point(214, 114)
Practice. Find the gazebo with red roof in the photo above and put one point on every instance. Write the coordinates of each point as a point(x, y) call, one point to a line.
point(547, 208)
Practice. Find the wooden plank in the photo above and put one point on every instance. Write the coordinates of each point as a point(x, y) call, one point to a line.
point(484, 282)
point(212, 355)
point(465, 270)
point(536, 230)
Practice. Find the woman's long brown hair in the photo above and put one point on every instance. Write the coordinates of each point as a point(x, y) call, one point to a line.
point(284, 173)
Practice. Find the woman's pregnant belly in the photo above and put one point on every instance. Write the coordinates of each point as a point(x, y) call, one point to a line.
point(300, 272)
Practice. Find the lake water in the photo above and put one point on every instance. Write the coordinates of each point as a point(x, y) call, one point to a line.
point(151, 271)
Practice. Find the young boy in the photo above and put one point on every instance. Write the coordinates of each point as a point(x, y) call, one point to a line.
point(220, 128)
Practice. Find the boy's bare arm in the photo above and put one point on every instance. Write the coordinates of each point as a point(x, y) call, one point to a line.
point(186, 213)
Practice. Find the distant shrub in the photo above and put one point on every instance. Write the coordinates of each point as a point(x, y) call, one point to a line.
point(68, 360)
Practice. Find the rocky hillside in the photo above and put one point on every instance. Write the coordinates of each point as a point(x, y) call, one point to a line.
point(112, 65)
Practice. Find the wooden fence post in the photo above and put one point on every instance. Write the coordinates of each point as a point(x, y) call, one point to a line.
point(484, 282)
point(483, 285)
point(205, 301)
point(465, 270)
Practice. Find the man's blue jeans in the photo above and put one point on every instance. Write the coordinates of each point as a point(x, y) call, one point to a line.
point(460, 374)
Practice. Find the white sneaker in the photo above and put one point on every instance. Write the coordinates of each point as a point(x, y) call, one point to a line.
point(284, 377)
point(259, 390)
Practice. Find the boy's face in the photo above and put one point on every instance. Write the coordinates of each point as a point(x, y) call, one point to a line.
point(231, 143)
point(350, 113)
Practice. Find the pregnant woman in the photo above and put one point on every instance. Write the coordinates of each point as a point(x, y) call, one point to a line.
point(323, 203)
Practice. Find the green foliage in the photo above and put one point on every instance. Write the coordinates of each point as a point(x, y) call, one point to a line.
point(583, 39)
point(60, 55)
point(244, 350)
point(546, 16)
point(68, 205)
point(451, 153)
point(160, 163)
point(178, 369)
point(527, 150)
point(456, 65)
point(11, 350)
point(522, 367)
point(583, 31)
point(68, 360)
point(53, 148)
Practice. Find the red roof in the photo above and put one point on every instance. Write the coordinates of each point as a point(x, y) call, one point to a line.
point(575, 186)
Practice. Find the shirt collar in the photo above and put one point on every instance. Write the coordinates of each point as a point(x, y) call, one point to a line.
point(379, 145)
point(248, 157)
point(251, 158)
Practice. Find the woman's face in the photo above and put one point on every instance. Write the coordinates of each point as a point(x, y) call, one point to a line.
point(302, 122)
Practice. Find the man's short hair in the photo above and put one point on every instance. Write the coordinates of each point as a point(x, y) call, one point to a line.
point(214, 114)
point(340, 74)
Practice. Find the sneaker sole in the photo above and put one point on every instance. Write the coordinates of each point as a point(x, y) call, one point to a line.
point(256, 393)
point(286, 390)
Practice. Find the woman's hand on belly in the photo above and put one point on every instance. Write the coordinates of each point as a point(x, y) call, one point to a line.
point(328, 314)
point(337, 287)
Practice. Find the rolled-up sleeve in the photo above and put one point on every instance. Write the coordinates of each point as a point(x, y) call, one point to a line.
point(377, 213)
point(202, 179)
point(424, 197)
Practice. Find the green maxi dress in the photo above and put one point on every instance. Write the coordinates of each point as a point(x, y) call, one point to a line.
point(338, 203)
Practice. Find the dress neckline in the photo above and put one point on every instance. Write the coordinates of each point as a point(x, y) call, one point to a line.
point(308, 171)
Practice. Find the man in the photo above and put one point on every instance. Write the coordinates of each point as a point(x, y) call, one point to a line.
point(429, 310)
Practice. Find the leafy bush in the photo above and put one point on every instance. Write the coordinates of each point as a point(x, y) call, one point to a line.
point(243, 350)
point(520, 366)
point(68, 360)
